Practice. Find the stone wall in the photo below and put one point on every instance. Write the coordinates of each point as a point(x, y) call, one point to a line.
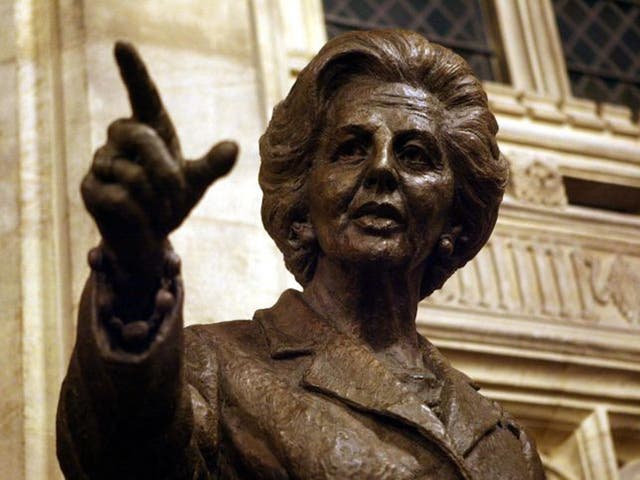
point(61, 89)
point(11, 384)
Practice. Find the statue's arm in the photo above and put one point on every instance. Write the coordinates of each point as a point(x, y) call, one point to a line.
point(127, 408)
point(133, 413)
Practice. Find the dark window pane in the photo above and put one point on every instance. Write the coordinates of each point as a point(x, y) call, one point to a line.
point(361, 8)
point(608, 196)
point(439, 23)
point(462, 25)
point(601, 42)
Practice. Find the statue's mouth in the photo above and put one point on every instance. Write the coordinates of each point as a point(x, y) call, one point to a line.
point(379, 217)
point(382, 210)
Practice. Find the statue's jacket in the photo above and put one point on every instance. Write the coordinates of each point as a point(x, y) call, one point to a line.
point(282, 396)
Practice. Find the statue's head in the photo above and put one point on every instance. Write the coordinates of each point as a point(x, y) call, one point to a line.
point(428, 146)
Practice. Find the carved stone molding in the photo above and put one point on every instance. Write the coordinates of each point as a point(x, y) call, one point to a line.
point(548, 108)
point(547, 279)
point(591, 442)
point(536, 181)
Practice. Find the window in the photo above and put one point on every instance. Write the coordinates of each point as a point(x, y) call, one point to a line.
point(601, 43)
point(465, 26)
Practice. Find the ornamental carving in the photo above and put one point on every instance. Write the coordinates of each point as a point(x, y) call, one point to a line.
point(543, 278)
point(536, 181)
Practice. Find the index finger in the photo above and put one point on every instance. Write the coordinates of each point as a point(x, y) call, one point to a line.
point(143, 95)
point(146, 104)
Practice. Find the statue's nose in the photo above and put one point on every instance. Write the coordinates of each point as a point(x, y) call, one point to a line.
point(381, 174)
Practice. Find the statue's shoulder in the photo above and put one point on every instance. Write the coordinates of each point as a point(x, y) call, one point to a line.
point(210, 337)
point(209, 347)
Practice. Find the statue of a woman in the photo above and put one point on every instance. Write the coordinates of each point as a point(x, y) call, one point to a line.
point(381, 176)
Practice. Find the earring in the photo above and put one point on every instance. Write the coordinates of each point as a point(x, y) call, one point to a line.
point(445, 246)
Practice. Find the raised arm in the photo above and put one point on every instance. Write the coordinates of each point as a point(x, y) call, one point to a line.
point(125, 406)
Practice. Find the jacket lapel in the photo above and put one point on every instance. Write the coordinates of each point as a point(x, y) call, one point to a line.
point(466, 414)
point(337, 370)
point(292, 328)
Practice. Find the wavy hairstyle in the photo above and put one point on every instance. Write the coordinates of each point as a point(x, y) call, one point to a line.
point(468, 135)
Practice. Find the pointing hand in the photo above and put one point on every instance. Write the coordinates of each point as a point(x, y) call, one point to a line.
point(139, 187)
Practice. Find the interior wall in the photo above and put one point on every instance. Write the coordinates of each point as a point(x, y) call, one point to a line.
point(11, 400)
point(61, 89)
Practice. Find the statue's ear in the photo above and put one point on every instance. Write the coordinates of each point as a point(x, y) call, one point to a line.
point(302, 234)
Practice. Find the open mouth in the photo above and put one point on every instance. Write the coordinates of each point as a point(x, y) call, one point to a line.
point(379, 217)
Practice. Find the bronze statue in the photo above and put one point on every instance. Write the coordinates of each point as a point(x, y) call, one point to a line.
point(381, 176)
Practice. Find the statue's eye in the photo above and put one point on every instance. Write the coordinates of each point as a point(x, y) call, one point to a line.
point(414, 154)
point(352, 150)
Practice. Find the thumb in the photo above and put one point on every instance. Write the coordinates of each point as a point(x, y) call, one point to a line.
point(216, 163)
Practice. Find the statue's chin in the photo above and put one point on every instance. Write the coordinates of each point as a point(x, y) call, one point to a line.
point(381, 257)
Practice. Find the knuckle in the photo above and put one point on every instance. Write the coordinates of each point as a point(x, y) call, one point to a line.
point(109, 197)
point(87, 186)
point(126, 132)
point(100, 167)
point(118, 198)
point(171, 179)
point(141, 133)
point(116, 204)
point(91, 198)
point(115, 128)
point(118, 126)
point(101, 153)
point(137, 176)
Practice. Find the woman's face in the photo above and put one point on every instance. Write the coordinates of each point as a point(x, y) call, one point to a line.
point(381, 187)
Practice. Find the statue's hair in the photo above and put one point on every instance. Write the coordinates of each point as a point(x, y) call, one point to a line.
point(468, 134)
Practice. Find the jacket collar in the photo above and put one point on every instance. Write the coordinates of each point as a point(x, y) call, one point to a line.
point(292, 328)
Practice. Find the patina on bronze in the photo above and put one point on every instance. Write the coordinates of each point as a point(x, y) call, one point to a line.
point(381, 176)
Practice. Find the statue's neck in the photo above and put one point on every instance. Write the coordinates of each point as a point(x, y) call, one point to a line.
point(373, 303)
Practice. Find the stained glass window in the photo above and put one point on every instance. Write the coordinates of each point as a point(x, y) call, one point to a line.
point(601, 42)
point(465, 26)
